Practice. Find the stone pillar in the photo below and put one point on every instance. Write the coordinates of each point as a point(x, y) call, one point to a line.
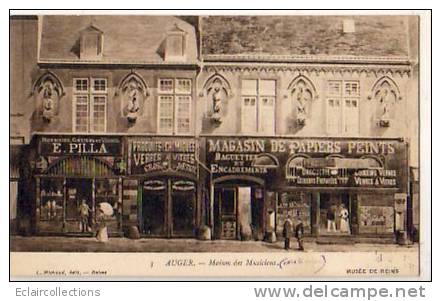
point(244, 212)
point(315, 214)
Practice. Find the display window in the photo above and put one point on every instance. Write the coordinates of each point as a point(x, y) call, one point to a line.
point(52, 200)
point(294, 205)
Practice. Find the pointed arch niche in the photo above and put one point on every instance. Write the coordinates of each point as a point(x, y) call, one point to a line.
point(47, 92)
point(386, 93)
point(217, 91)
point(133, 92)
point(302, 92)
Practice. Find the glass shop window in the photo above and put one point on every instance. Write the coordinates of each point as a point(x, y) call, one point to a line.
point(52, 199)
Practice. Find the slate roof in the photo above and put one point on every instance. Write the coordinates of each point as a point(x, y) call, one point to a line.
point(128, 39)
point(248, 36)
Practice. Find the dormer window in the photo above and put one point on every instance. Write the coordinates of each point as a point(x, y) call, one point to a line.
point(91, 43)
point(175, 47)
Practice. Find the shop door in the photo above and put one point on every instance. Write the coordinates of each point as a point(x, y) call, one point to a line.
point(183, 200)
point(335, 216)
point(154, 195)
point(79, 190)
point(183, 214)
point(226, 219)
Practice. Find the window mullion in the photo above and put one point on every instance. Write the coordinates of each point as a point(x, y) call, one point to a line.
point(175, 114)
point(90, 106)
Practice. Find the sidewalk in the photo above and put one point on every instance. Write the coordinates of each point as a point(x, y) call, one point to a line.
point(77, 244)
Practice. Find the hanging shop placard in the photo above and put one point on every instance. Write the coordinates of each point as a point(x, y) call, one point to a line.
point(162, 154)
point(80, 145)
point(322, 162)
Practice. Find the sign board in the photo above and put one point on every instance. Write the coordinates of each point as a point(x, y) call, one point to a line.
point(80, 145)
point(162, 154)
point(311, 162)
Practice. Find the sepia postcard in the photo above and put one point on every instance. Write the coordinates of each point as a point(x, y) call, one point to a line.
point(258, 145)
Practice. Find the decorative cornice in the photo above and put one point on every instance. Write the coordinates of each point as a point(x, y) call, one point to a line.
point(353, 59)
point(308, 69)
point(43, 62)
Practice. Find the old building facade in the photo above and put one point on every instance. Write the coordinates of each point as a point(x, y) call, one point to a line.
point(183, 125)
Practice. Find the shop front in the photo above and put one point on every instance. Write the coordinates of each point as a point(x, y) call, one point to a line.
point(335, 186)
point(162, 186)
point(239, 176)
point(73, 175)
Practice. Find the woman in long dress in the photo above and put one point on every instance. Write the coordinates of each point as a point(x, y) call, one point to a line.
point(344, 220)
point(101, 235)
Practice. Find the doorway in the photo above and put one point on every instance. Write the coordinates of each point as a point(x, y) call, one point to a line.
point(154, 194)
point(238, 212)
point(335, 214)
point(168, 208)
point(78, 190)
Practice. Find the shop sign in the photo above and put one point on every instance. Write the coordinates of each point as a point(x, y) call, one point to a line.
point(160, 154)
point(311, 162)
point(80, 145)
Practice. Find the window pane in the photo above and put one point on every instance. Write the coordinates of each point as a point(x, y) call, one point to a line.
point(267, 115)
point(351, 120)
point(267, 87)
point(99, 114)
point(183, 86)
point(333, 116)
point(183, 114)
point(166, 114)
point(81, 114)
point(249, 87)
point(81, 85)
point(334, 88)
point(100, 85)
point(249, 115)
point(352, 89)
point(166, 85)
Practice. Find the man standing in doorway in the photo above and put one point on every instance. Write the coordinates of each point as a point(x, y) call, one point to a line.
point(287, 232)
point(330, 217)
point(84, 211)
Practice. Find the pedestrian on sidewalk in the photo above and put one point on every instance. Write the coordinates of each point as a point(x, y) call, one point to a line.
point(287, 232)
point(299, 230)
point(101, 234)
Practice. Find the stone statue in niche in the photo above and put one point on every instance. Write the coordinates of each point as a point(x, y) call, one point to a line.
point(386, 98)
point(48, 101)
point(218, 95)
point(134, 96)
point(301, 95)
point(133, 103)
point(217, 104)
